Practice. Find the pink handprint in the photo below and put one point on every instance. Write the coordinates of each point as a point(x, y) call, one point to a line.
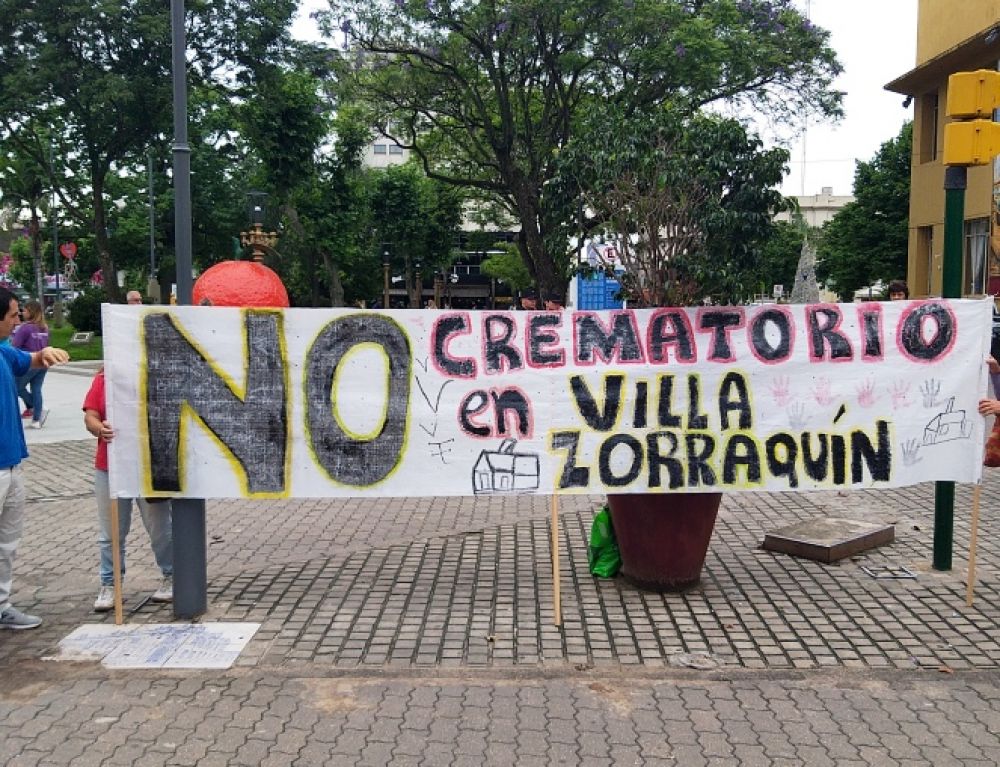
point(779, 391)
point(866, 393)
point(900, 393)
point(822, 393)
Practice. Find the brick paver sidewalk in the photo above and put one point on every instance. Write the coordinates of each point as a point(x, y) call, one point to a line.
point(419, 632)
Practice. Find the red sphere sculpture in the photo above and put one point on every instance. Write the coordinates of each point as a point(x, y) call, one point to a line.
point(239, 283)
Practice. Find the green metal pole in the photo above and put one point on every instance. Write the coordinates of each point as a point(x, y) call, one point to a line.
point(951, 287)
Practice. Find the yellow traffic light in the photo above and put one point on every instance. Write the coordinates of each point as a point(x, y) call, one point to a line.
point(975, 142)
point(973, 94)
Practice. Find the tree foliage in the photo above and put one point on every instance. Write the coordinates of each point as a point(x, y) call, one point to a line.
point(507, 267)
point(416, 218)
point(689, 201)
point(486, 94)
point(24, 183)
point(867, 240)
point(98, 75)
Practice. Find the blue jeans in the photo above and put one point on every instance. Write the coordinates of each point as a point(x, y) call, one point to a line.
point(156, 518)
point(32, 399)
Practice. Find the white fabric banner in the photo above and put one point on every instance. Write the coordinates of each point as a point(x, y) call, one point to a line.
point(223, 403)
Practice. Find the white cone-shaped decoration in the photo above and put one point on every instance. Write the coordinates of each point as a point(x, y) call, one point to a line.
point(806, 289)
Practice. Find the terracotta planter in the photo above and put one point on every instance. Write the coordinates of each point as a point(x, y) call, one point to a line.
point(663, 538)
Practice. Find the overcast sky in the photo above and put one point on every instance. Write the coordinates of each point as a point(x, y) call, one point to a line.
point(875, 41)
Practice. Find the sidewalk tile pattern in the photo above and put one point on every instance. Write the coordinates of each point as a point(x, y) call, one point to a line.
point(462, 582)
point(419, 632)
point(265, 719)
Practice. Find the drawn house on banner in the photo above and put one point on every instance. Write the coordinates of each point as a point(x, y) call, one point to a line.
point(504, 471)
point(946, 426)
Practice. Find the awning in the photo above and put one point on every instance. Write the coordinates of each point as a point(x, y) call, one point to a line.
point(970, 54)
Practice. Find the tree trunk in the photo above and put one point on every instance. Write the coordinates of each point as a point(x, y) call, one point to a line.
point(104, 256)
point(531, 238)
point(531, 245)
point(336, 285)
point(36, 256)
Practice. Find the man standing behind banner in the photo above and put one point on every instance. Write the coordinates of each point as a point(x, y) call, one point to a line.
point(13, 450)
point(156, 514)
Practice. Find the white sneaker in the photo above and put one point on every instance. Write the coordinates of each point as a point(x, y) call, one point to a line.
point(105, 599)
point(166, 591)
point(35, 425)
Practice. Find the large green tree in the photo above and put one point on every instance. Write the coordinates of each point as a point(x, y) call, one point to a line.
point(24, 184)
point(866, 241)
point(688, 200)
point(97, 75)
point(486, 94)
point(416, 218)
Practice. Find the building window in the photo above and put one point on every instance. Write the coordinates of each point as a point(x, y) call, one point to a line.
point(925, 255)
point(393, 149)
point(380, 149)
point(977, 236)
point(929, 127)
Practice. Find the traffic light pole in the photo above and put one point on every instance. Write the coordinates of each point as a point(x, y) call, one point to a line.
point(951, 287)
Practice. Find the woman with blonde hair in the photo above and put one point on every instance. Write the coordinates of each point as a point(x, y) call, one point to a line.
point(32, 335)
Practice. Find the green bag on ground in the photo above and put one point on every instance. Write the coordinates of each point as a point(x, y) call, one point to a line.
point(602, 554)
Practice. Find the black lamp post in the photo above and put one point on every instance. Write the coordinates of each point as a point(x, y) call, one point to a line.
point(438, 287)
point(418, 288)
point(386, 259)
point(153, 284)
point(190, 549)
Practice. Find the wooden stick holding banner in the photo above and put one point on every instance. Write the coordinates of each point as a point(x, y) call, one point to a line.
point(972, 544)
point(556, 600)
point(116, 560)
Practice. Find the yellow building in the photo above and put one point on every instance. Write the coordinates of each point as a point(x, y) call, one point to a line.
point(952, 36)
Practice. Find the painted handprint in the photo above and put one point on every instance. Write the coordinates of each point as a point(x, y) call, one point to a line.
point(821, 391)
point(780, 392)
point(900, 393)
point(797, 416)
point(911, 452)
point(866, 393)
point(930, 390)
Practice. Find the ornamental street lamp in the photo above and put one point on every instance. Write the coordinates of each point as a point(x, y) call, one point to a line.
point(259, 241)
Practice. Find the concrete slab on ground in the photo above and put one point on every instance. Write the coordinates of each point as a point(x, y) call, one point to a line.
point(828, 539)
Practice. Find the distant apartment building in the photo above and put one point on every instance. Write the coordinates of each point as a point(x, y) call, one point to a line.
point(951, 37)
point(817, 209)
point(383, 152)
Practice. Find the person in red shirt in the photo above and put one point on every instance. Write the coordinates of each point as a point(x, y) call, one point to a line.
point(155, 514)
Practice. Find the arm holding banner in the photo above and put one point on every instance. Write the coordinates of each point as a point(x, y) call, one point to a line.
point(48, 357)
